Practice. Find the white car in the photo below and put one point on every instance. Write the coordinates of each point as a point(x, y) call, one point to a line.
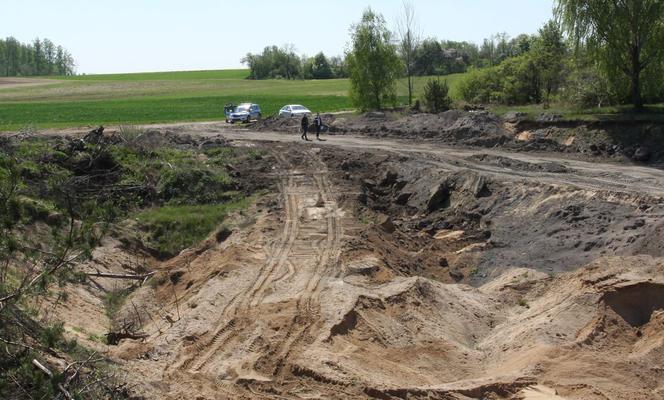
point(293, 110)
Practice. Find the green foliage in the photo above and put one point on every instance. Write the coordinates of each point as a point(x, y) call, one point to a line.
point(548, 55)
point(588, 87)
point(318, 67)
point(113, 300)
point(274, 62)
point(535, 74)
point(442, 57)
point(625, 36)
point(177, 175)
point(428, 57)
point(373, 63)
point(436, 96)
point(30, 380)
point(78, 189)
point(193, 185)
point(173, 228)
point(513, 82)
point(53, 334)
point(42, 57)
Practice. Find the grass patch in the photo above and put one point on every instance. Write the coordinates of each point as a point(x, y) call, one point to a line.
point(167, 75)
point(97, 338)
point(172, 228)
point(523, 303)
point(114, 300)
point(147, 98)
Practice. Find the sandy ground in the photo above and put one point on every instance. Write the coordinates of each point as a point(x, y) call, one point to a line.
point(333, 290)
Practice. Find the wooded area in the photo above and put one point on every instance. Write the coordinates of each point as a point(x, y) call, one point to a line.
point(40, 58)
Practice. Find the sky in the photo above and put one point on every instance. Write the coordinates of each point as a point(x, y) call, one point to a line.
point(173, 35)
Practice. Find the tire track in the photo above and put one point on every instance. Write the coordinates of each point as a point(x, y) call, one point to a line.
point(289, 259)
point(226, 327)
point(309, 298)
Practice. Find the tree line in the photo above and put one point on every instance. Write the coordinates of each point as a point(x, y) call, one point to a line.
point(39, 58)
point(593, 53)
point(283, 63)
point(430, 56)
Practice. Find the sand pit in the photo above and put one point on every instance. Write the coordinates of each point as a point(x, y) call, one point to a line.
point(410, 273)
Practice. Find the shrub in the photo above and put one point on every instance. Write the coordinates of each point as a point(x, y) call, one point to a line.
point(480, 86)
point(53, 334)
point(514, 82)
point(588, 88)
point(192, 186)
point(436, 96)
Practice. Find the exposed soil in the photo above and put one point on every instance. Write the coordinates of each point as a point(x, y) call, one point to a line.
point(387, 269)
point(622, 141)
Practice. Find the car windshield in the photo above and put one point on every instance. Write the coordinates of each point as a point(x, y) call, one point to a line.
point(242, 107)
point(298, 108)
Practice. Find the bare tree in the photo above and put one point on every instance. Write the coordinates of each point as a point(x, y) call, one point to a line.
point(409, 40)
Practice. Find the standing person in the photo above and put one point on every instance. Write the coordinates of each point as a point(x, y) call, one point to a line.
point(318, 121)
point(305, 127)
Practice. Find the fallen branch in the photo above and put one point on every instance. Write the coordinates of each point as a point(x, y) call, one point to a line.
point(121, 276)
point(17, 344)
point(78, 370)
point(50, 375)
point(113, 338)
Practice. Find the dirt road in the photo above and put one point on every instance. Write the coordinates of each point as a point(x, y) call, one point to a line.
point(587, 175)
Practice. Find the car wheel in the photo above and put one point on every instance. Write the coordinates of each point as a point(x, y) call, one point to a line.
point(259, 116)
point(232, 121)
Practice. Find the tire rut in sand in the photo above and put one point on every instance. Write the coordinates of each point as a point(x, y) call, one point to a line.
point(307, 314)
point(293, 258)
point(225, 328)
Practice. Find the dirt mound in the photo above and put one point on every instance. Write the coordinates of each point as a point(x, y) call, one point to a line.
point(468, 224)
point(279, 124)
point(472, 128)
point(497, 336)
point(519, 165)
point(633, 141)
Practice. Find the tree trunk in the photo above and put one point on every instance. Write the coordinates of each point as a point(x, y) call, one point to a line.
point(637, 101)
point(410, 89)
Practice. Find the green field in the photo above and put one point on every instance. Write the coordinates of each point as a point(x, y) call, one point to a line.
point(145, 98)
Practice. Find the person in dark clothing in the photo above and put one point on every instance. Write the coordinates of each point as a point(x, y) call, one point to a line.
point(318, 121)
point(305, 127)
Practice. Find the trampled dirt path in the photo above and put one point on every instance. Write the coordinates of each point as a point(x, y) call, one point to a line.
point(583, 174)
